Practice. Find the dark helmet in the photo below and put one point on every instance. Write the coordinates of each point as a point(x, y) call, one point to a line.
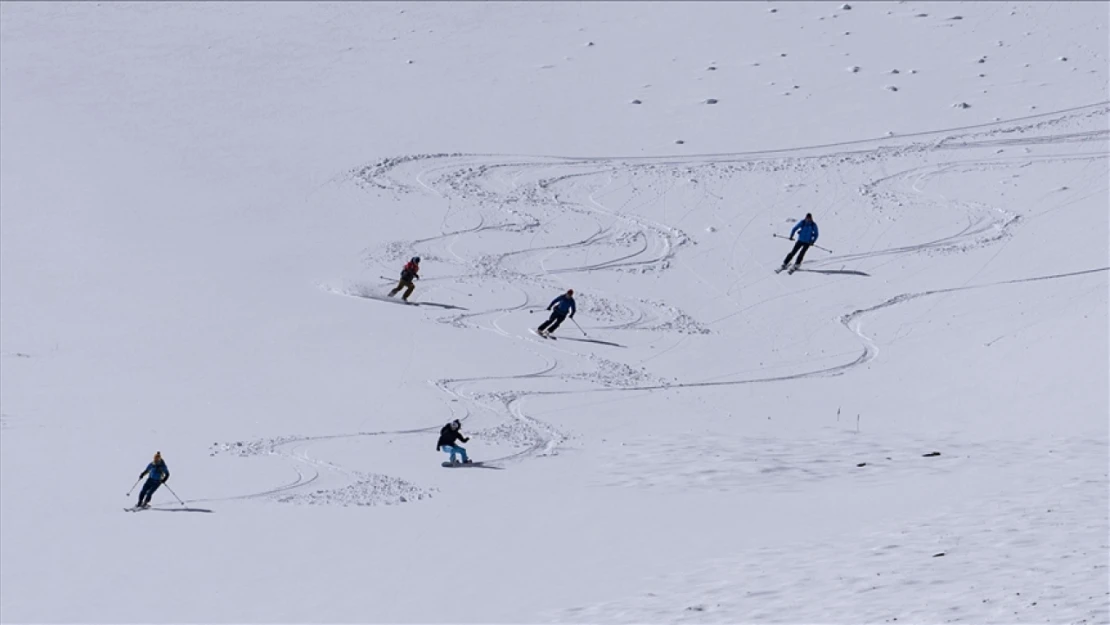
point(809, 216)
point(416, 260)
point(570, 292)
point(456, 424)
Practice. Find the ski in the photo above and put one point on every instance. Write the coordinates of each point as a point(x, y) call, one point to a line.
point(135, 509)
point(542, 335)
point(792, 269)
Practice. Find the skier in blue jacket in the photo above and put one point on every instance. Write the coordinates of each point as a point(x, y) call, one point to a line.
point(156, 474)
point(559, 308)
point(807, 236)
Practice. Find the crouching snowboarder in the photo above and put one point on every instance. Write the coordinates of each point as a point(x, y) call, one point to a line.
point(409, 273)
point(807, 236)
point(156, 474)
point(559, 307)
point(449, 436)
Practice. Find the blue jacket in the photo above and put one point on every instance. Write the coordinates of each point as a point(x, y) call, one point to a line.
point(158, 472)
point(562, 304)
point(807, 232)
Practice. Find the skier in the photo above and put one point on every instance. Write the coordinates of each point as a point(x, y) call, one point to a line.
point(157, 474)
point(562, 305)
point(448, 437)
point(409, 273)
point(807, 236)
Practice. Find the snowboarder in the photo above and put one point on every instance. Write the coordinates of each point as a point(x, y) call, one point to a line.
point(562, 305)
point(807, 236)
point(409, 273)
point(156, 474)
point(448, 437)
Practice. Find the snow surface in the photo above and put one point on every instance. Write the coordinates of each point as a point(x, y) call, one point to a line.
point(201, 202)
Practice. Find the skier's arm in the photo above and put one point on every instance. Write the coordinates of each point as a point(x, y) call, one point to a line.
point(573, 309)
point(166, 470)
point(553, 302)
point(145, 471)
point(794, 230)
point(464, 439)
point(815, 233)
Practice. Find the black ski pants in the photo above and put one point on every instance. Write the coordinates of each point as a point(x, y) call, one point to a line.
point(798, 246)
point(553, 322)
point(148, 491)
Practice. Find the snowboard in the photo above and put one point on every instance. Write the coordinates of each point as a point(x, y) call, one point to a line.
point(459, 465)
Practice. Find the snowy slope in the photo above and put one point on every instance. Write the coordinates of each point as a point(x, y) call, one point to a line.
point(201, 202)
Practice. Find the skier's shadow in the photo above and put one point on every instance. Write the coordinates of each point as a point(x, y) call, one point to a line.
point(837, 272)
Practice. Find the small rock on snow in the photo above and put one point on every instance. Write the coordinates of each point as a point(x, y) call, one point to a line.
point(937, 555)
point(931, 454)
point(710, 101)
point(772, 10)
point(637, 102)
point(845, 7)
point(1063, 58)
point(961, 105)
point(679, 141)
point(854, 69)
point(894, 71)
point(891, 88)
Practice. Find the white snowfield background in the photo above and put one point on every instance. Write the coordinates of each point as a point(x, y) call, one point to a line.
point(201, 202)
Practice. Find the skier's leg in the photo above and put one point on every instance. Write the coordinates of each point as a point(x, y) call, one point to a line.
point(409, 286)
point(802, 254)
point(462, 450)
point(786, 261)
point(550, 320)
point(397, 289)
point(451, 450)
point(154, 484)
point(558, 322)
point(142, 494)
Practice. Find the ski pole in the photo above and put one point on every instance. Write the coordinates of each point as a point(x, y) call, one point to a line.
point(822, 248)
point(172, 493)
point(779, 236)
point(580, 328)
point(133, 486)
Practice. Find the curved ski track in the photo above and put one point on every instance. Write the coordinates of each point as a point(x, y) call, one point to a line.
point(521, 194)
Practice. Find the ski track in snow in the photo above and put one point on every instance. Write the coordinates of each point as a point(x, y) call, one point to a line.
point(521, 195)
